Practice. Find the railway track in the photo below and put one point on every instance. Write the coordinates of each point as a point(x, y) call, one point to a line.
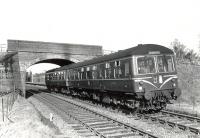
point(173, 119)
point(90, 123)
point(176, 120)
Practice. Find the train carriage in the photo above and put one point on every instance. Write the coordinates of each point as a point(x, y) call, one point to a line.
point(143, 76)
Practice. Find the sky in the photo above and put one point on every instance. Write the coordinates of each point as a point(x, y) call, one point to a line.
point(113, 24)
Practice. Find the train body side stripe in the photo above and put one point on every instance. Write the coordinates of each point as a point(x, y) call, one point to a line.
point(167, 80)
point(147, 82)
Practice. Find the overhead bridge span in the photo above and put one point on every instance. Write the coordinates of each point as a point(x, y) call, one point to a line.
point(22, 54)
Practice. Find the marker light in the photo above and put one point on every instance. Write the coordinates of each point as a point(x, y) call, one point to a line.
point(173, 80)
point(141, 83)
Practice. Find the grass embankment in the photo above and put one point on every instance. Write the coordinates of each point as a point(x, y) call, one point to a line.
point(189, 82)
point(26, 122)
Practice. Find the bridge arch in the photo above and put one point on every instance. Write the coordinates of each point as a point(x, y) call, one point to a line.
point(57, 61)
point(27, 53)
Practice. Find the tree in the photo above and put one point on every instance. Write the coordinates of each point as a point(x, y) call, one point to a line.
point(182, 53)
point(179, 49)
point(191, 55)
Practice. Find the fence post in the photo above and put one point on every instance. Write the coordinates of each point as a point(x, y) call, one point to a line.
point(2, 110)
point(12, 100)
point(9, 102)
point(7, 105)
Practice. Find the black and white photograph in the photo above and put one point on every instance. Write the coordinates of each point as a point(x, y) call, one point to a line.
point(99, 69)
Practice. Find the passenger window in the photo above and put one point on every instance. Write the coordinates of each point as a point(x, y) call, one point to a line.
point(74, 75)
point(67, 75)
point(107, 65)
point(57, 76)
point(109, 73)
point(118, 72)
point(107, 70)
point(117, 69)
point(88, 73)
point(94, 67)
point(60, 75)
point(117, 63)
point(114, 73)
point(81, 74)
point(146, 65)
point(161, 67)
point(100, 74)
point(64, 75)
point(70, 75)
point(165, 64)
point(127, 69)
point(170, 65)
point(78, 75)
point(94, 72)
point(54, 76)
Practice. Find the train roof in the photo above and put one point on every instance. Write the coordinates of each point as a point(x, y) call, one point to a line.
point(142, 49)
point(51, 70)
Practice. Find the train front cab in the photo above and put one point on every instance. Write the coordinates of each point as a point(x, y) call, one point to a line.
point(155, 78)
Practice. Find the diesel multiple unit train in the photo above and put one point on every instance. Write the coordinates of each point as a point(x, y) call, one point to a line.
point(141, 77)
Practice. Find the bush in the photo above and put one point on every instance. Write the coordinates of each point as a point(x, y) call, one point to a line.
point(189, 82)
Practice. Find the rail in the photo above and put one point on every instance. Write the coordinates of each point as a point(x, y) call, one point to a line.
point(173, 119)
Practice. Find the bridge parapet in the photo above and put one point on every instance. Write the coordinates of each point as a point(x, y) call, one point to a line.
point(50, 47)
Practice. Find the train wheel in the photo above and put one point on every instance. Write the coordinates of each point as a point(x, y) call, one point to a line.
point(96, 97)
point(49, 88)
point(59, 90)
point(106, 99)
point(114, 101)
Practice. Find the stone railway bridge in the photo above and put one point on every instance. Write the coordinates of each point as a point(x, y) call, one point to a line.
point(23, 54)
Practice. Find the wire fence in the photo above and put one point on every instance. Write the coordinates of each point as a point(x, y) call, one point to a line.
point(6, 103)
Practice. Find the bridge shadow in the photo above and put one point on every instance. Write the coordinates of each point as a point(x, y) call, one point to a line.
point(30, 93)
point(32, 89)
